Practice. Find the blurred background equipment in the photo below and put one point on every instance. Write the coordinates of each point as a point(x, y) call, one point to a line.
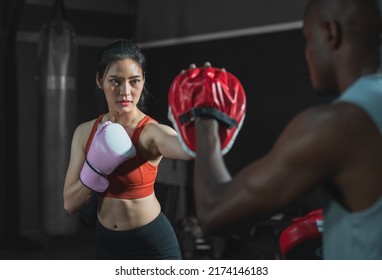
point(10, 238)
point(58, 100)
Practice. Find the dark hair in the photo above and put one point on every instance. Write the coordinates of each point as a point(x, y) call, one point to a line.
point(119, 50)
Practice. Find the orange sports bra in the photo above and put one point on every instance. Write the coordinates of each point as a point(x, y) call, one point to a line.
point(135, 177)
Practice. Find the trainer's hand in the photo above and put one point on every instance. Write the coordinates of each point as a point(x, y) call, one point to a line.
point(206, 92)
point(110, 147)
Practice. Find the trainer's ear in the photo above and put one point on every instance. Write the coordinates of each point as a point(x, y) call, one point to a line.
point(334, 33)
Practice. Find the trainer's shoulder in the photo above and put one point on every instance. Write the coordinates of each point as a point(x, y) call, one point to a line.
point(339, 120)
point(321, 115)
point(322, 123)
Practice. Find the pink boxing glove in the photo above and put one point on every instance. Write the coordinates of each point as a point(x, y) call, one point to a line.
point(110, 147)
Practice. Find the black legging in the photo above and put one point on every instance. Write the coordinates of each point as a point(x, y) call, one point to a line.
point(156, 240)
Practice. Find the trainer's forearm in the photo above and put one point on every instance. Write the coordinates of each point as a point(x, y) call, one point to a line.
point(210, 171)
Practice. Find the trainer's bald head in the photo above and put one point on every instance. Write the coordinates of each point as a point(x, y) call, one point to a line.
point(359, 21)
point(344, 41)
point(356, 17)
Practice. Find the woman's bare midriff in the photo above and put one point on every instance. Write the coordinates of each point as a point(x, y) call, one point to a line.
point(125, 214)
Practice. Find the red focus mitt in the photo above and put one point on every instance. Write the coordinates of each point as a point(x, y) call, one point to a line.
point(303, 238)
point(208, 92)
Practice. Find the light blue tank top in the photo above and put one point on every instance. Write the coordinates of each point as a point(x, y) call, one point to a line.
point(356, 235)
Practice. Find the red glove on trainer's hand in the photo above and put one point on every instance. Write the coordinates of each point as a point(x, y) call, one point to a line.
point(303, 238)
point(208, 92)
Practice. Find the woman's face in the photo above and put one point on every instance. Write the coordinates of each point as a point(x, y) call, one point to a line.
point(122, 84)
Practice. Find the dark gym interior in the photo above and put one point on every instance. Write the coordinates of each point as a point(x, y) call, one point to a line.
point(261, 42)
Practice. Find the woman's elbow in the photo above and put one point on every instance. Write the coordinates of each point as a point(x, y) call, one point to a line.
point(69, 209)
point(74, 201)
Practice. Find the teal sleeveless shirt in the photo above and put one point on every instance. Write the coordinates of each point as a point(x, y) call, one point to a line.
point(356, 235)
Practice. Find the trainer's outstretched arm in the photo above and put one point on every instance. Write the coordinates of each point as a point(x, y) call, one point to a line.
point(290, 170)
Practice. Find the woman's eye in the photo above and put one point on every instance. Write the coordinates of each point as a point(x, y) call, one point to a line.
point(114, 82)
point(134, 82)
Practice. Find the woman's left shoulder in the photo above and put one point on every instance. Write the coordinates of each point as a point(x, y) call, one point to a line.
point(155, 128)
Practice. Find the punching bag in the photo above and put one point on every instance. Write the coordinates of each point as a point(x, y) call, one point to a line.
point(58, 63)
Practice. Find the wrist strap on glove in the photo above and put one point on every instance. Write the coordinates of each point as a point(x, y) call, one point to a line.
point(193, 113)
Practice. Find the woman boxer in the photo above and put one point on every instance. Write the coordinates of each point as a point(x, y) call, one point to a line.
point(121, 171)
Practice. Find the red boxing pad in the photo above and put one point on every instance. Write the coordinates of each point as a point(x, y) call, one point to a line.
point(303, 238)
point(211, 92)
